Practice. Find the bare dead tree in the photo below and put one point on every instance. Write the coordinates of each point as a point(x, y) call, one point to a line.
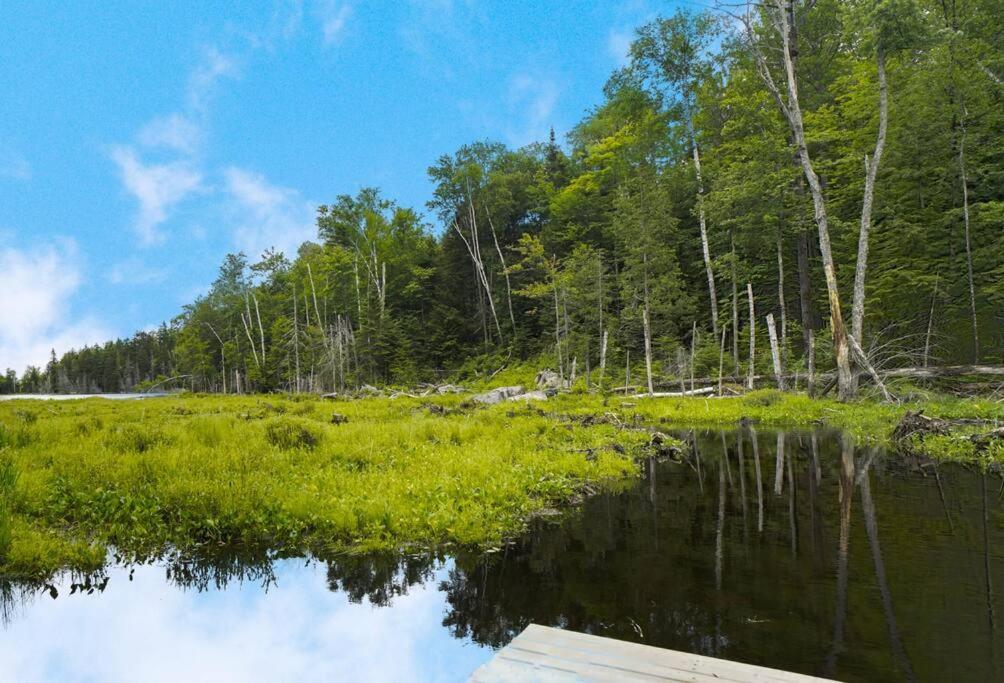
point(223, 356)
point(775, 352)
point(646, 324)
point(505, 271)
point(871, 172)
point(781, 12)
point(964, 178)
point(752, 367)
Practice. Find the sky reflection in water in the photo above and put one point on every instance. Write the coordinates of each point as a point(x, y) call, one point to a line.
point(151, 630)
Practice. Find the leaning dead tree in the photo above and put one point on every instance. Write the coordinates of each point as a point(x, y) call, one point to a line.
point(780, 13)
point(473, 246)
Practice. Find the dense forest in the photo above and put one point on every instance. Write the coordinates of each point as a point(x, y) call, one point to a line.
point(829, 174)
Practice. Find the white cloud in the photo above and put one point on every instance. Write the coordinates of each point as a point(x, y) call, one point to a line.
point(619, 46)
point(157, 188)
point(14, 166)
point(37, 286)
point(297, 630)
point(265, 215)
point(175, 132)
point(202, 82)
point(531, 100)
point(132, 271)
point(334, 17)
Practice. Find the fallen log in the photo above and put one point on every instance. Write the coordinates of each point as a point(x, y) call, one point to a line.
point(946, 371)
point(675, 394)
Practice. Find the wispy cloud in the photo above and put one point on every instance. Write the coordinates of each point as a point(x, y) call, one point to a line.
point(38, 285)
point(14, 166)
point(619, 46)
point(215, 66)
point(133, 271)
point(175, 132)
point(264, 215)
point(531, 100)
point(334, 18)
point(157, 188)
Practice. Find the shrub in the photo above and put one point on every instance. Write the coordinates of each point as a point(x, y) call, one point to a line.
point(8, 480)
point(15, 437)
point(134, 438)
point(763, 398)
point(287, 433)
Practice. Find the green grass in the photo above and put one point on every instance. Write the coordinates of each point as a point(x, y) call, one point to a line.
point(78, 478)
point(142, 476)
point(868, 421)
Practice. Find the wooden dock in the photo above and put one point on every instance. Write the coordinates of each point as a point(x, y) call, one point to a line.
point(541, 653)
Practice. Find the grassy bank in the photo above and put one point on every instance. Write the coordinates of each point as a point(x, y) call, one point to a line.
point(79, 477)
point(140, 475)
point(868, 422)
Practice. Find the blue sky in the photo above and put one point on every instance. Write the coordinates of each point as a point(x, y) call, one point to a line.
point(140, 141)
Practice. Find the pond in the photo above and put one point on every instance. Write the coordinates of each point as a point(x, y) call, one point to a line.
point(796, 551)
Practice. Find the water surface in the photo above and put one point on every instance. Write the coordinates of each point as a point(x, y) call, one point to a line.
point(802, 553)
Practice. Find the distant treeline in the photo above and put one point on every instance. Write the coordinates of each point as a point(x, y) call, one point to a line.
point(838, 165)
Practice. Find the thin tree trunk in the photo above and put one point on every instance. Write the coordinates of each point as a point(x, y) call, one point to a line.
point(505, 270)
point(261, 329)
point(735, 306)
point(805, 308)
point(721, 360)
point(749, 378)
point(247, 329)
point(603, 358)
point(648, 333)
point(296, 342)
point(223, 357)
point(871, 172)
point(775, 352)
point(627, 371)
point(930, 324)
point(781, 301)
point(693, 351)
point(706, 250)
point(969, 248)
point(557, 336)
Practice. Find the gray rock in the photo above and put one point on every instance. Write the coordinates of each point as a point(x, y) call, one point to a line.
point(498, 395)
point(530, 396)
point(449, 389)
point(549, 379)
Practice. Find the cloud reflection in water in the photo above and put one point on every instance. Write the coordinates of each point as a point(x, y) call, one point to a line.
point(151, 630)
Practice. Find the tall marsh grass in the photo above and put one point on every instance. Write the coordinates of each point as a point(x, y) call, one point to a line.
point(282, 473)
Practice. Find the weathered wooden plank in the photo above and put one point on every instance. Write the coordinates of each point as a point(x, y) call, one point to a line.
point(541, 653)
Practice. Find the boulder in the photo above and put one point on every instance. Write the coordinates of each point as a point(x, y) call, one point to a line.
point(530, 396)
point(549, 380)
point(498, 395)
point(449, 389)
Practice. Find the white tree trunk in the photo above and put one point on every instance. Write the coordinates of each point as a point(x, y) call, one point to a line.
point(871, 171)
point(752, 367)
point(775, 352)
point(704, 235)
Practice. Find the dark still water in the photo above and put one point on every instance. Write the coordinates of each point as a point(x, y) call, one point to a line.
point(821, 559)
